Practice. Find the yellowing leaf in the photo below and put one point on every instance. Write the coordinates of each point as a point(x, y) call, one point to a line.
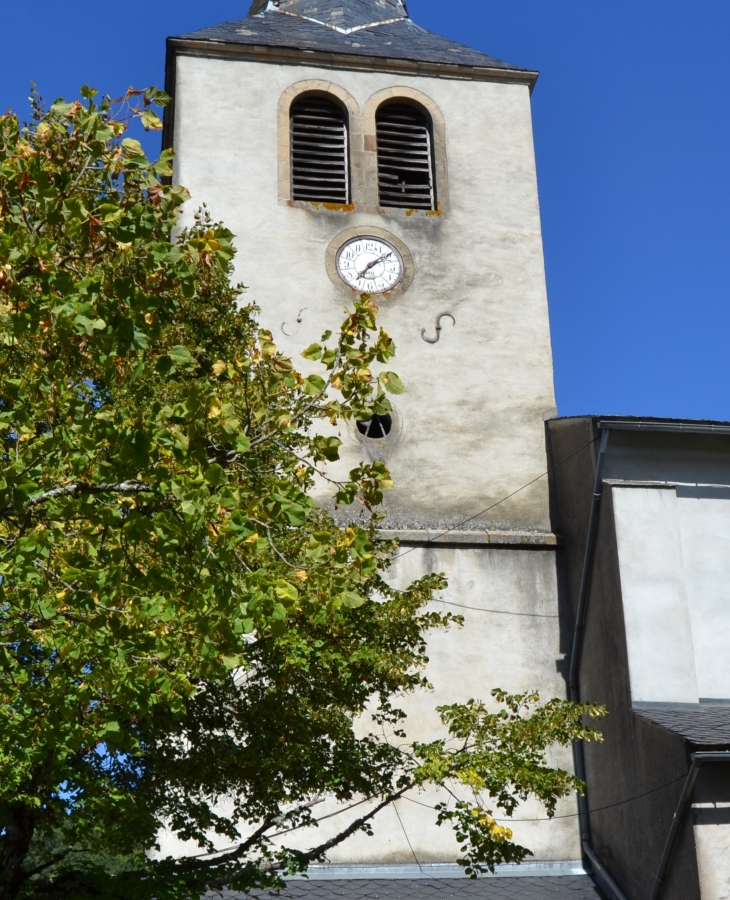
point(219, 368)
point(132, 148)
point(214, 409)
point(151, 121)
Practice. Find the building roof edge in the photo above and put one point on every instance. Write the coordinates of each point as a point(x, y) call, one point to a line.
point(292, 55)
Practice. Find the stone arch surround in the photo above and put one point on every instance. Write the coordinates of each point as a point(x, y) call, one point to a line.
point(290, 96)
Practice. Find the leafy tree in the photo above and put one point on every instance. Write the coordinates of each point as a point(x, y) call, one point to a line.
point(180, 624)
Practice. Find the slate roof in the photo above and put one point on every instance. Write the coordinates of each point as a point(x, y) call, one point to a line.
point(579, 887)
point(704, 725)
point(375, 28)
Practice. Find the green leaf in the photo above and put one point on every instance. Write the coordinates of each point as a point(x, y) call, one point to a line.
point(181, 357)
point(391, 382)
point(243, 444)
point(314, 384)
point(74, 210)
point(286, 592)
point(351, 600)
point(313, 351)
point(215, 475)
point(158, 97)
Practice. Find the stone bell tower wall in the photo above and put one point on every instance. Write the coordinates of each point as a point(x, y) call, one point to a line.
point(469, 430)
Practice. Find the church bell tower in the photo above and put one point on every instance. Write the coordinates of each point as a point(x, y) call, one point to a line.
point(351, 151)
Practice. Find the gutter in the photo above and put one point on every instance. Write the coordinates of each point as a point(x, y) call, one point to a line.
point(602, 874)
point(698, 761)
point(667, 427)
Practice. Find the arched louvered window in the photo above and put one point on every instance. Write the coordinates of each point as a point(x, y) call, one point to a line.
point(405, 157)
point(320, 169)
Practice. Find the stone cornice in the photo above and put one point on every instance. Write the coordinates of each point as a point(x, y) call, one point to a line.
point(524, 539)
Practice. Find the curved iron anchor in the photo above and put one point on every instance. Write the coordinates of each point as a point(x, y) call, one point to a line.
point(299, 322)
point(428, 340)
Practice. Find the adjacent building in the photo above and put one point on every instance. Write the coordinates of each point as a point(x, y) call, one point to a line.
point(644, 509)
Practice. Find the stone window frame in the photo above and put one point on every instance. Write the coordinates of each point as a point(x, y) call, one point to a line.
point(287, 99)
point(409, 96)
point(364, 195)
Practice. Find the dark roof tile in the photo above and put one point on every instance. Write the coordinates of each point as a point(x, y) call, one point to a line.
point(704, 725)
point(578, 887)
point(287, 27)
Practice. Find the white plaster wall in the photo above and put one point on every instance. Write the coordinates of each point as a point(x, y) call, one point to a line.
point(705, 529)
point(713, 856)
point(472, 420)
point(656, 613)
point(674, 559)
point(711, 820)
point(511, 640)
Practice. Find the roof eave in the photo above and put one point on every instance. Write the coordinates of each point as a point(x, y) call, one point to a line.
point(295, 55)
point(278, 55)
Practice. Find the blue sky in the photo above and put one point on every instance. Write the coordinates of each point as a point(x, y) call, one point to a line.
point(632, 128)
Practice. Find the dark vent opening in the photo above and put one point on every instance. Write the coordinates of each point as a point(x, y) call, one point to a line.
point(319, 158)
point(377, 428)
point(405, 158)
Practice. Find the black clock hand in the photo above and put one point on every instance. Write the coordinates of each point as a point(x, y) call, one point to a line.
point(370, 265)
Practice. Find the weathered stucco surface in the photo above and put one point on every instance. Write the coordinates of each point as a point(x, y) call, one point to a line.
point(511, 640)
point(674, 554)
point(658, 625)
point(469, 431)
point(472, 419)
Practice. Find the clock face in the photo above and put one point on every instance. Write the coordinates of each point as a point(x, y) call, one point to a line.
point(369, 265)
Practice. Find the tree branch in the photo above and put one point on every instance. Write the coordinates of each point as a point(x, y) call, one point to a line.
point(79, 489)
point(318, 852)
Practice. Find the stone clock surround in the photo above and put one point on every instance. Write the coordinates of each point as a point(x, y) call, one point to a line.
point(363, 146)
point(330, 259)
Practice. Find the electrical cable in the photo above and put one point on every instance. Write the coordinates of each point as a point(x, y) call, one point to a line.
point(575, 815)
point(498, 503)
point(397, 812)
point(497, 612)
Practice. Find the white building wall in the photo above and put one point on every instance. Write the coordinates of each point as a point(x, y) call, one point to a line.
point(470, 427)
point(472, 419)
point(704, 524)
point(653, 586)
point(674, 559)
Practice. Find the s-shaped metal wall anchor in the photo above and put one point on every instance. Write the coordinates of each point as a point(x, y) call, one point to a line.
point(428, 340)
point(299, 322)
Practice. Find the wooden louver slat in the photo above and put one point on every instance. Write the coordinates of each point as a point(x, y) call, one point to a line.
point(320, 169)
point(405, 158)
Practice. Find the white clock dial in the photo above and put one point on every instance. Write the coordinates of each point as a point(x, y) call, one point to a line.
point(369, 265)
